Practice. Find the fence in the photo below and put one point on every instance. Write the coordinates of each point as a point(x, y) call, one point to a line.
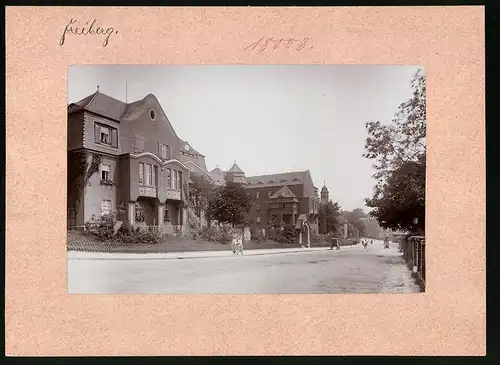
point(413, 249)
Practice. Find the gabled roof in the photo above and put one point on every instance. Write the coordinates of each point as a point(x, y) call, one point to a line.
point(288, 178)
point(218, 176)
point(191, 149)
point(235, 169)
point(197, 169)
point(284, 192)
point(101, 104)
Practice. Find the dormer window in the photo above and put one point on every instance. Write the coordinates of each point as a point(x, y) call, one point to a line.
point(105, 135)
point(282, 181)
point(260, 182)
point(152, 114)
point(272, 182)
point(296, 179)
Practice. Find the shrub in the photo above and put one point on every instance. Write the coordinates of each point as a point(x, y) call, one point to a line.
point(137, 235)
point(286, 234)
point(256, 235)
point(211, 234)
point(315, 238)
point(102, 226)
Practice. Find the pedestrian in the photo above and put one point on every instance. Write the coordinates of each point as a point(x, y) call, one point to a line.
point(237, 244)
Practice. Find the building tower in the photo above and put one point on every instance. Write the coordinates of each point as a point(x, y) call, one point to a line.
point(235, 175)
point(324, 194)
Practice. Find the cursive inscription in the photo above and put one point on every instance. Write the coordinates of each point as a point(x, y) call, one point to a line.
point(93, 29)
point(274, 43)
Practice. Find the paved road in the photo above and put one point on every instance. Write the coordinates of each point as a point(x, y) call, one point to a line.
point(350, 270)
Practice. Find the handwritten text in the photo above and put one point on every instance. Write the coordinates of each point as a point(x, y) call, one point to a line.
point(93, 29)
point(274, 43)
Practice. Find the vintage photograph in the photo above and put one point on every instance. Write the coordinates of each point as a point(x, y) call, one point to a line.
point(249, 179)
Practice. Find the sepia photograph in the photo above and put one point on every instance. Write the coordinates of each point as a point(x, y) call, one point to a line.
point(246, 179)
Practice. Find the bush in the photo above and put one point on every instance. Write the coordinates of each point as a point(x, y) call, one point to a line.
point(256, 235)
point(286, 234)
point(211, 234)
point(137, 235)
point(102, 226)
point(315, 238)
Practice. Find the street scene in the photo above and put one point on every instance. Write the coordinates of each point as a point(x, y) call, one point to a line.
point(246, 179)
point(288, 271)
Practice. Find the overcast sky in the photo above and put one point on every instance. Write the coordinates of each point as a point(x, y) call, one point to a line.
point(268, 118)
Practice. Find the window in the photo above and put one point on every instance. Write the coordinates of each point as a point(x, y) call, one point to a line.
point(169, 180)
point(105, 172)
point(152, 114)
point(164, 151)
point(107, 135)
point(269, 193)
point(257, 207)
point(141, 173)
point(153, 175)
point(148, 173)
point(258, 220)
point(138, 144)
point(275, 206)
point(105, 206)
point(257, 195)
point(174, 179)
point(288, 205)
point(179, 180)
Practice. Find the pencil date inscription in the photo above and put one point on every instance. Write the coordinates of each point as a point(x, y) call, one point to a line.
point(298, 44)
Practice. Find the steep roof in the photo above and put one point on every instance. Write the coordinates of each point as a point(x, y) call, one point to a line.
point(191, 149)
point(236, 169)
point(284, 192)
point(324, 189)
point(288, 178)
point(101, 104)
point(218, 176)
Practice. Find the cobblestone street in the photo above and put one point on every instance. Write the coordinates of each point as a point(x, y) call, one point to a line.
point(349, 270)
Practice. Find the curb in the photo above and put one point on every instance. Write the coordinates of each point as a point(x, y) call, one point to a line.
point(180, 257)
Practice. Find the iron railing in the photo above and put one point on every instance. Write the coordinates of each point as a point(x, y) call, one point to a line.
point(413, 249)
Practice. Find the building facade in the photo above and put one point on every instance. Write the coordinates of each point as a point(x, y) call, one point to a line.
point(286, 198)
point(128, 155)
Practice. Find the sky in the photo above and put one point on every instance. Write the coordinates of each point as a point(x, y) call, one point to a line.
point(267, 118)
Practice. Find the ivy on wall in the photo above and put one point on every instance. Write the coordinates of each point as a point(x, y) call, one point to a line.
point(79, 173)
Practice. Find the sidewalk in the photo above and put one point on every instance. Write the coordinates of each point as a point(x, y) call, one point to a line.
point(82, 255)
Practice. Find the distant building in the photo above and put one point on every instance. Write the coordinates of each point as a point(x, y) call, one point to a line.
point(277, 198)
point(324, 195)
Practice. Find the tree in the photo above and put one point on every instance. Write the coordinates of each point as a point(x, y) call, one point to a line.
point(399, 152)
point(328, 214)
point(402, 199)
point(201, 191)
point(354, 218)
point(230, 204)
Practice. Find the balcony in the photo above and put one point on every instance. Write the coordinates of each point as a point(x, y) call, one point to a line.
point(173, 194)
point(147, 191)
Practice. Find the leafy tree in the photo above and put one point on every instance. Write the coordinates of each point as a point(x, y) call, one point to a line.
point(354, 218)
point(230, 204)
point(201, 190)
point(402, 199)
point(399, 152)
point(327, 220)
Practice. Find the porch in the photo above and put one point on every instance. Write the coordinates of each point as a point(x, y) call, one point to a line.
point(168, 216)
